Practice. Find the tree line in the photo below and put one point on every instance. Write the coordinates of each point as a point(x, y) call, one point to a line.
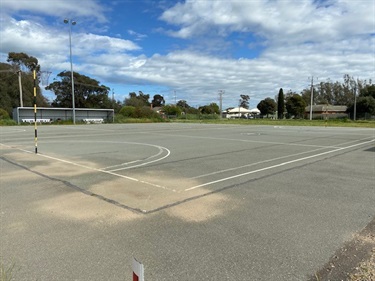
point(90, 93)
point(350, 93)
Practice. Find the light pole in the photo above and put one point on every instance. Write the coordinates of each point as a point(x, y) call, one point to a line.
point(71, 22)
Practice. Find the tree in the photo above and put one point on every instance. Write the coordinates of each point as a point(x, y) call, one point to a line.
point(368, 91)
point(244, 101)
point(88, 92)
point(335, 93)
point(212, 108)
point(137, 100)
point(295, 105)
point(280, 104)
point(267, 106)
point(365, 102)
point(158, 100)
point(9, 86)
point(183, 104)
point(365, 105)
point(24, 61)
point(172, 110)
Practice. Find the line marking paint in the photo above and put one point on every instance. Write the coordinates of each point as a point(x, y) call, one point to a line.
point(270, 160)
point(278, 165)
point(91, 168)
point(146, 163)
point(250, 141)
point(106, 172)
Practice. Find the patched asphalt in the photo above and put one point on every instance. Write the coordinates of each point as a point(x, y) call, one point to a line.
point(190, 201)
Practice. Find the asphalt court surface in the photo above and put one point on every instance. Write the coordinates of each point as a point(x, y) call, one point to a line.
point(149, 167)
point(190, 201)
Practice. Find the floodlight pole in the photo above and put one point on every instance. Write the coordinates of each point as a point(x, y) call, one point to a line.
point(71, 22)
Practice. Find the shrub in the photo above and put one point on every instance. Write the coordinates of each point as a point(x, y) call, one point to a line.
point(4, 114)
point(127, 111)
point(7, 122)
point(147, 112)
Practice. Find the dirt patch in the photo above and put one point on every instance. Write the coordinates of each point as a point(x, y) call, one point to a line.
point(200, 210)
point(355, 261)
point(80, 207)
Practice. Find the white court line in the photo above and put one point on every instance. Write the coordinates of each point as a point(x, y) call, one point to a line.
point(14, 131)
point(106, 172)
point(254, 164)
point(13, 147)
point(145, 163)
point(278, 165)
point(160, 148)
point(91, 168)
point(250, 141)
point(269, 160)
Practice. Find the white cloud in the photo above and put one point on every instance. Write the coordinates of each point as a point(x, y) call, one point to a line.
point(138, 36)
point(280, 20)
point(91, 43)
point(70, 8)
point(299, 39)
point(49, 42)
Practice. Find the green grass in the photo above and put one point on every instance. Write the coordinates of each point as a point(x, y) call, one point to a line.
point(120, 120)
point(285, 122)
point(272, 122)
point(7, 272)
point(7, 122)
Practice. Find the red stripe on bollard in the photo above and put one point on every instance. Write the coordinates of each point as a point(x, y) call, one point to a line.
point(138, 270)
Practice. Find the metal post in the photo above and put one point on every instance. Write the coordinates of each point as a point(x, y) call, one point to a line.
point(71, 22)
point(20, 85)
point(311, 98)
point(221, 92)
point(355, 103)
point(35, 123)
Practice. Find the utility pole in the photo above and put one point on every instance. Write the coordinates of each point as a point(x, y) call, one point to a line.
point(20, 85)
point(221, 93)
point(355, 103)
point(312, 96)
point(19, 72)
point(175, 98)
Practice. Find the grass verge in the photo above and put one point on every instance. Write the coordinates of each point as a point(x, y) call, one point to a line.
point(7, 272)
point(284, 122)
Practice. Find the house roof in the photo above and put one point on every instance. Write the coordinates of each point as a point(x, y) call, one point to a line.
point(243, 110)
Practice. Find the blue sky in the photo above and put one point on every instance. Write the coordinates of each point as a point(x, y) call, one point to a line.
point(190, 50)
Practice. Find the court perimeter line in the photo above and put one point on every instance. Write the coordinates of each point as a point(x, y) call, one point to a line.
point(250, 141)
point(107, 172)
point(91, 168)
point(268, 160)
point(278, 165)
point(254, 164)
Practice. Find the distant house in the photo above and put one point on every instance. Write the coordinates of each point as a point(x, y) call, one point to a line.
point(240, 112)
point(157, 109)
point(323, 111)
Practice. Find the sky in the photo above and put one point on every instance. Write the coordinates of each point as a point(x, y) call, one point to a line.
point(192, 50)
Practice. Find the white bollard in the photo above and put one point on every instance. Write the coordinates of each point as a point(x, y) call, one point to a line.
point(138, 270)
